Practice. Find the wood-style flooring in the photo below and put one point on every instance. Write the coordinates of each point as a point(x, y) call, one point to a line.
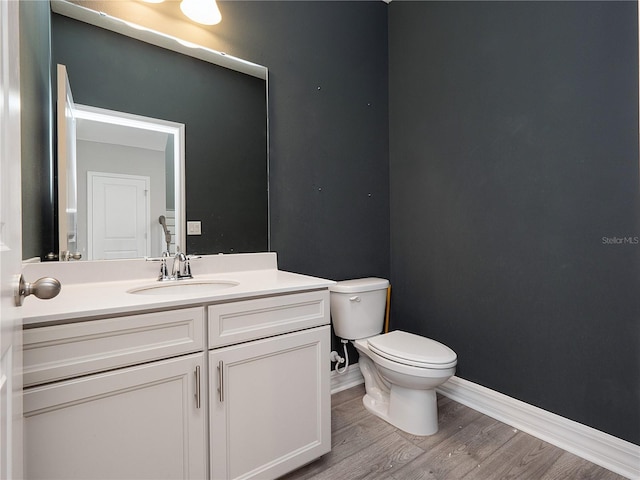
point(468, 446)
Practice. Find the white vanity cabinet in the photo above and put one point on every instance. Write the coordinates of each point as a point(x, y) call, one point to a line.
point(228, 385)
point(117, 398)
point(269, 398)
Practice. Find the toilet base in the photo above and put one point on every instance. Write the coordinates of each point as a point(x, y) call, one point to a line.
point(414, 411)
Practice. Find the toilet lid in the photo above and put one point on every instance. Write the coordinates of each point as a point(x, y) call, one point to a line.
point(358, 285)
point(415, 350)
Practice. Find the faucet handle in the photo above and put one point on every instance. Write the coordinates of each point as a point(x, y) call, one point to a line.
point(164, 272)
point(187, 264)
point(186, 271)
point(157, 259)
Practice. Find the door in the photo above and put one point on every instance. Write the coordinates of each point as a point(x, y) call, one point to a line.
point(269, 405)
point(10, 245)
point(118, 212)
point(142, 422)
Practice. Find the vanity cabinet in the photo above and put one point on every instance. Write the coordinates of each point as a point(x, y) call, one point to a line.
point(226, 390)
point(269, 398)
point(103, 405)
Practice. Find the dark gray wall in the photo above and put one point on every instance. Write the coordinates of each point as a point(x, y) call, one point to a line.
point(328, 112)
point(513, 158)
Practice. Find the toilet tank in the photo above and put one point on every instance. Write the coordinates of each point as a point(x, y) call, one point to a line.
point(358, 307)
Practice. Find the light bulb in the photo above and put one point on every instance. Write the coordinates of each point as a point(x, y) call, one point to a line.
point(205, 12)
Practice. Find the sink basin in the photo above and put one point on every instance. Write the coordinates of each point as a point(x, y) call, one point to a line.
point(184, 287)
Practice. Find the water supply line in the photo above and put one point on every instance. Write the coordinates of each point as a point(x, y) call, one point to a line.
point(335, 357)
point(388, 307)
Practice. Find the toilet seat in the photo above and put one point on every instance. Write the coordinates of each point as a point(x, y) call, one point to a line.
point(414, 350)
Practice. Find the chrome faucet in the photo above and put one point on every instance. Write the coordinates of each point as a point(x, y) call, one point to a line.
point(181, 268)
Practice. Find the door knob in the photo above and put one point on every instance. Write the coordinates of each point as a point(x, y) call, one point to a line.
point(43, 288)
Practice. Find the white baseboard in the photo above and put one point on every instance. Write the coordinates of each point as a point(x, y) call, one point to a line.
point(610, 452)
point(350, 378)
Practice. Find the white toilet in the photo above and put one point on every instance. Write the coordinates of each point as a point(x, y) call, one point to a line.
point(401, 370)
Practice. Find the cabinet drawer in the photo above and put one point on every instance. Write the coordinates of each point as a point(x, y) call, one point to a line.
point(236, 322)
point(65, 351)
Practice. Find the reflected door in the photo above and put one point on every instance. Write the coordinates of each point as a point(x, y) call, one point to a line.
point(118, 216)
point(67, 188)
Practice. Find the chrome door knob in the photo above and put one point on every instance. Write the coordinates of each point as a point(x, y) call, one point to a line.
point(43, 288)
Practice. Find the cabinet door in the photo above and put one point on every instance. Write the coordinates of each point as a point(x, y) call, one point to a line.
point(269, 405)
point(132, 423)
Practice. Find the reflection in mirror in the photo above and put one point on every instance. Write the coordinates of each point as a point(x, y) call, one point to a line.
point(220, 100)
point(128, 164)
point(121, 182)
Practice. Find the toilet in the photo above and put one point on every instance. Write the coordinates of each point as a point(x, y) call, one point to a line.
point(401, 370)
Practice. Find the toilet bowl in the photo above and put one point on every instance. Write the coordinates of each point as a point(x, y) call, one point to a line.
point(401, 370)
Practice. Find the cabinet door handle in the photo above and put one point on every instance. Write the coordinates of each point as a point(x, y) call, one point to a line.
point(221, 381)
point(197, 373)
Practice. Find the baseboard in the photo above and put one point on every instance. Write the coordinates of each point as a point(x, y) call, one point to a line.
point(610, 452)
point(350, 378)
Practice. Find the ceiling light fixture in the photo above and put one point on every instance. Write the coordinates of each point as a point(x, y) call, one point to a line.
point(205, 12)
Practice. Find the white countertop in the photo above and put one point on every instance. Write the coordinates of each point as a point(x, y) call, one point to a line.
point(85, 293)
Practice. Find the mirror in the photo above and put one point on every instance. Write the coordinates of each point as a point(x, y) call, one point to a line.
point(221, 101)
